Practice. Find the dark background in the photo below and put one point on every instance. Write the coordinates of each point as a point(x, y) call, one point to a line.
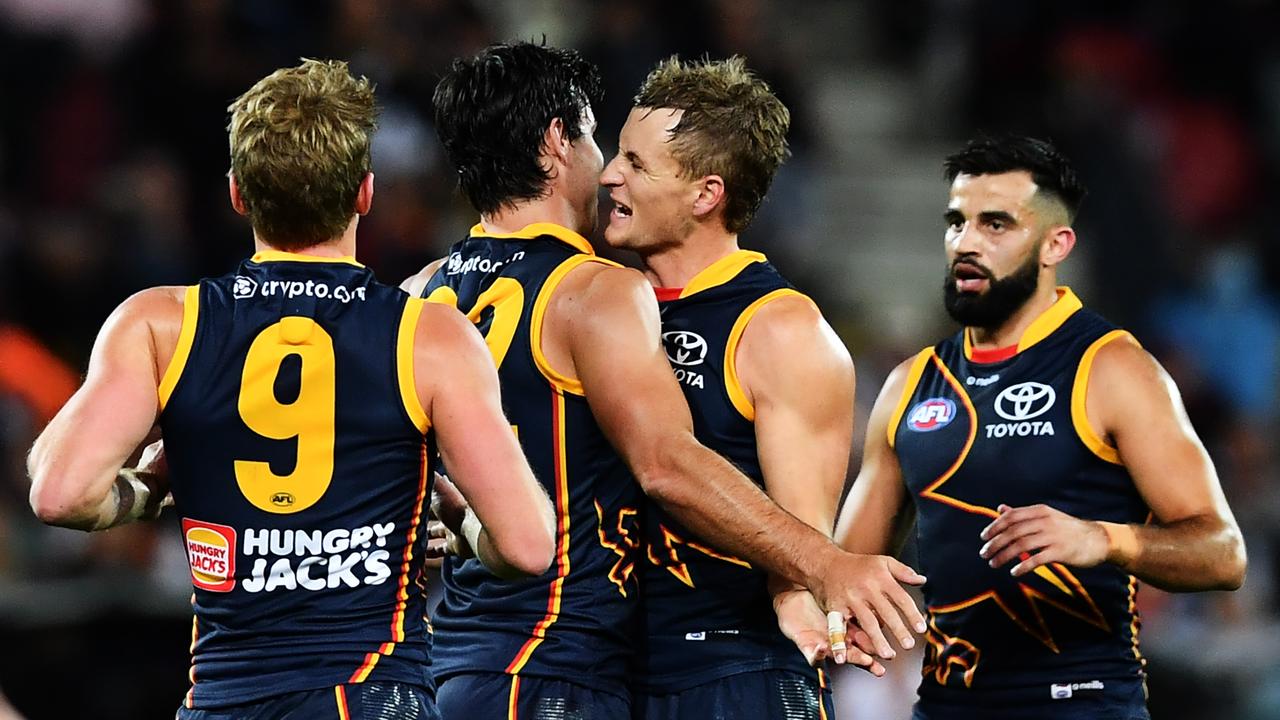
point(112, 161)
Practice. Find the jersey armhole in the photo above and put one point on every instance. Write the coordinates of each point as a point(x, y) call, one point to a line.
point(1079, 394)
point(558, 380)
point(404, 364)
point(908, 389)
point(186, 337)
point(732, 385)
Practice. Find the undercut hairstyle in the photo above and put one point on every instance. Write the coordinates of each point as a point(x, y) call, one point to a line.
point(1049, 169)
point(732, 126)
point(300, 149)
point(492, 111)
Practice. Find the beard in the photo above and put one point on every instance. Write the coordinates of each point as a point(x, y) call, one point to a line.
point(1002, 299)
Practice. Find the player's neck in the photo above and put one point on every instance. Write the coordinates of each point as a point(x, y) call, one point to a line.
point(673, 266)
point(1009, 333)
point(551, 209)
point(344, 246)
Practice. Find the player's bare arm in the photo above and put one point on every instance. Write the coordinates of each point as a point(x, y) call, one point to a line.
point(76, 465)
point(877, 508)
point(416, 283)
point(614, 348)
point(877, 512)
point(1192, 543)
point(803, 439)
point(513, 528)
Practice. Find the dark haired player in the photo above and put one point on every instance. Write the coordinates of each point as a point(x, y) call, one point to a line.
point(587, 384)
point(301, 402)
point(1049, 461)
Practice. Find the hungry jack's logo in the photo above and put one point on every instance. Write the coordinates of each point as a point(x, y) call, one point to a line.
point(211, 553)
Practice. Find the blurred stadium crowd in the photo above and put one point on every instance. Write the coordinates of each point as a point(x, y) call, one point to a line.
point(112, 178)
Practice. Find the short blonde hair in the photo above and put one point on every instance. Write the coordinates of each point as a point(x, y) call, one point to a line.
point(732, 126)
point(300, 149)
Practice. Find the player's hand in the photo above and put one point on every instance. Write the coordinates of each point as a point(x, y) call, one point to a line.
point(153, 469)
point(803, 623)
point(866, 590)
point(447, 504)
point(1037, 535)
point(153, 460)
point(442, 542)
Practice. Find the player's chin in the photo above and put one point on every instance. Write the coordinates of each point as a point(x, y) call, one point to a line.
point(617, 232)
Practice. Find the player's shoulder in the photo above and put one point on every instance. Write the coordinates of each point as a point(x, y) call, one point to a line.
point(1120, 362)
point(599, 285)
point(904, 373)
point(786, 316)
point(442, 324)
point(156, 305)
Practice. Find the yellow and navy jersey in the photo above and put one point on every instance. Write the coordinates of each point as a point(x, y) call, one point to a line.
point(298, 453)
point(708, 614)
point(575, 621)
point(972, 432)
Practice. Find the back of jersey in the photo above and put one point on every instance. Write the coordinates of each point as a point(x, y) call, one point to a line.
point(298, 452)
point(574, 622)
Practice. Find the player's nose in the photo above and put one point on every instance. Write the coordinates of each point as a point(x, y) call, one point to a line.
point(610, 177)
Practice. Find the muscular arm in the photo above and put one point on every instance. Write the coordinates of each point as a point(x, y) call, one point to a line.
point(76, 463)
point(1193, 542)
point(803, 407)
point(458, 386)
point(802, 440)
point(877, 507)
point(617, 355)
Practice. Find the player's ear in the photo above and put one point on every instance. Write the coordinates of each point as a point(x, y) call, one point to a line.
point(237, 202)
point(555, 141)
point(364, 196)
point(1058, 245)
point(711, 195)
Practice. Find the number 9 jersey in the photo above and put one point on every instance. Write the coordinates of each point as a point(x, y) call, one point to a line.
point(298, 451)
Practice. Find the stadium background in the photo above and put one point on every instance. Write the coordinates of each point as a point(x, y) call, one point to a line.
point(113, 151)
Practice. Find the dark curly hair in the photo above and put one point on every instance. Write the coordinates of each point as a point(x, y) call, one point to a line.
point(492, 111)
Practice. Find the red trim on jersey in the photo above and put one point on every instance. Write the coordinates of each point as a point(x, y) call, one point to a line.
point(666, 294)
point(995, 355)
point(560, 459)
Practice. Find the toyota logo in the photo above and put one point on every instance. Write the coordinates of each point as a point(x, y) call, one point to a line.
point(1025, 401)
point(684, 347)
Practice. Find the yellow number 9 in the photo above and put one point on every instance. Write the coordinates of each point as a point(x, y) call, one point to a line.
point(310, 417)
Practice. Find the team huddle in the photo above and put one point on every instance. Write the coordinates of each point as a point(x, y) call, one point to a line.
point(633, 477)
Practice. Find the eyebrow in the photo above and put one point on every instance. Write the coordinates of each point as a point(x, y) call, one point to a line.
point(987, 216)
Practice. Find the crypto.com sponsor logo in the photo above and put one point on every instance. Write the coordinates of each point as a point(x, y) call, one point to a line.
point(246, 287)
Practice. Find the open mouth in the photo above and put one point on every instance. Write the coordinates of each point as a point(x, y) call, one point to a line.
point(969, 277)
point(621, 210)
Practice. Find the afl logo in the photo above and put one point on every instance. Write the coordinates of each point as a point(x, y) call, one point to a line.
point(932, 414)
point(1025, 401)
point(282, 499)
point(684, 347)
point(244, 287)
